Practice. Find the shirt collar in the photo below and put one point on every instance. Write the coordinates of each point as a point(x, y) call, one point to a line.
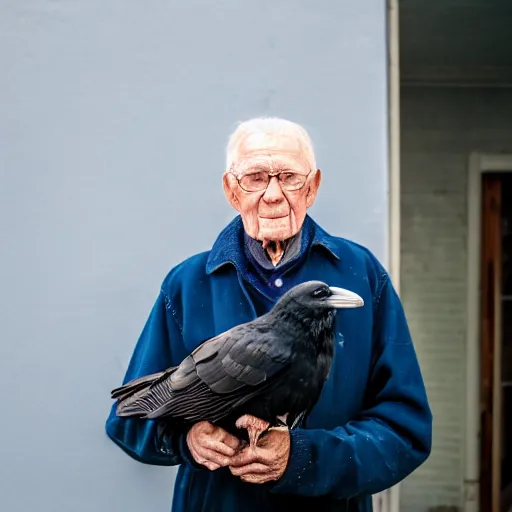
point(292, 249)
point(228, 248)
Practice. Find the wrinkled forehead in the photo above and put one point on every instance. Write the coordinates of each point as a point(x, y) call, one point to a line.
point(271, 150)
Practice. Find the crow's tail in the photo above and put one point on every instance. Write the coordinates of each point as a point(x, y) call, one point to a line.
point(123, 392)
point(130, 397)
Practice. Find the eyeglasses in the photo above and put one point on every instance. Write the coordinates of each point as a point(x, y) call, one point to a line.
point(259, 180)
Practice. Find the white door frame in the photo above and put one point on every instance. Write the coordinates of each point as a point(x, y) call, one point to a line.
point(389, 500)
point(479, 163)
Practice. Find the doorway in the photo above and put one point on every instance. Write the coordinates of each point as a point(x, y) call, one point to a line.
point(496, 343)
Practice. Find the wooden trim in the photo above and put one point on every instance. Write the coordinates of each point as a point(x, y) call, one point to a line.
point(491, 299)
point(479, 164)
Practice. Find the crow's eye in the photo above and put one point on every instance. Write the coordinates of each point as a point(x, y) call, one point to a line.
point(321, 293)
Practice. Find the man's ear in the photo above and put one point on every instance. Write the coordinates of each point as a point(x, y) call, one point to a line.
point(313, 186)
point(230, 185)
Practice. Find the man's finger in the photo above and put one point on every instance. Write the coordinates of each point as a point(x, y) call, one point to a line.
point(219, 447)
point(254, 468)
point(245, 457)
point(232, 441)
point(256, 478)
point(203, 455)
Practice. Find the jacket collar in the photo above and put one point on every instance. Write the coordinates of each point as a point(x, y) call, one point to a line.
point(228, 248)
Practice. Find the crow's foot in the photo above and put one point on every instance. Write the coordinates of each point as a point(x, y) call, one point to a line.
point(254, 426)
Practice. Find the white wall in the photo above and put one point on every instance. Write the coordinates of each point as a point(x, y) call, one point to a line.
point(113, 120)
point(440, 127)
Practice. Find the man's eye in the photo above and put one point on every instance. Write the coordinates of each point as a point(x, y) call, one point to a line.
point(289, 177)
point(256, 178)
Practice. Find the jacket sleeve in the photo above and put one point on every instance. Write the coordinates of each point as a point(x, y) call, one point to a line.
point(146, 440)
point(388, 440)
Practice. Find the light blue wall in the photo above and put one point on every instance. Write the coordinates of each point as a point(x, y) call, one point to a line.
point(113, 120)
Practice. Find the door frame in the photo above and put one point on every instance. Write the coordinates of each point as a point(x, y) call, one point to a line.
point(479, 164)
point(389, 499)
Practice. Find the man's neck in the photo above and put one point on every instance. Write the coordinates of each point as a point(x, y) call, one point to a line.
point(270, 254)
point(275, 250)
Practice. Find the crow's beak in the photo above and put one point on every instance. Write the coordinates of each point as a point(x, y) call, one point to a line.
point(342, 298)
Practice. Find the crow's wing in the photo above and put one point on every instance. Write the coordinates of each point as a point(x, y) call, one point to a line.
point(223, 372)
point(245, 356)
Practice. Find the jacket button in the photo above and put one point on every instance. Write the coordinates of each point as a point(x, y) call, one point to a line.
point(278, 282)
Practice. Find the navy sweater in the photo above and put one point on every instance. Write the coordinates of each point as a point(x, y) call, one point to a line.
point(372, 425)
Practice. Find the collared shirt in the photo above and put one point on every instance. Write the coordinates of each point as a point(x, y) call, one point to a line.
point(371, 426)
point(266, 282)
point(291, 249)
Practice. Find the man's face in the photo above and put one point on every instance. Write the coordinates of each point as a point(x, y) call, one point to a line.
point(274, 213)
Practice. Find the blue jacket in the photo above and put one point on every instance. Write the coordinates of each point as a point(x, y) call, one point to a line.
point(372, 424)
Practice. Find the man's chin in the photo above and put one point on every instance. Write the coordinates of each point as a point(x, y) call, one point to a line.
point(276, 230)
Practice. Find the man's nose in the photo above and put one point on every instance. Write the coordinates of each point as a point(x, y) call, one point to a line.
point(273, 194)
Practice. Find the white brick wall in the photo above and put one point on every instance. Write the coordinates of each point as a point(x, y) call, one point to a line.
point(440, 127)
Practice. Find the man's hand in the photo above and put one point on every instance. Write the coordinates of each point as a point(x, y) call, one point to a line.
point(211, 446)
point(266, 461)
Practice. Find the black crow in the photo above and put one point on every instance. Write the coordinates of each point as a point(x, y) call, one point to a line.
point(272, 368)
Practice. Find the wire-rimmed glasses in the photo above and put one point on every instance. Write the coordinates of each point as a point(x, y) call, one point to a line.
point(258, 181)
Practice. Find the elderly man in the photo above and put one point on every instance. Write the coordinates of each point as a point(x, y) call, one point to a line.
point(372, 424)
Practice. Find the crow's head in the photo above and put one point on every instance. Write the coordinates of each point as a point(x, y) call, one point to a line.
point(319, 298)
point(309, 309)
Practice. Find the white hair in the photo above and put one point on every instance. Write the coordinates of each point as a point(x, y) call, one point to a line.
point(269, 125)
